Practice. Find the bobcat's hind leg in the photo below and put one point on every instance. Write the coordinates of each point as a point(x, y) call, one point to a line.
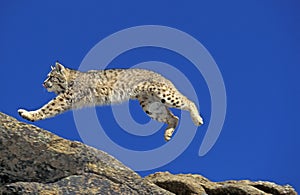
point(191, 107)
point(170, 97)
point(157, 111)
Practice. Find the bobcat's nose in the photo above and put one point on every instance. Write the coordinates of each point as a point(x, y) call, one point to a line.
point(46, 85)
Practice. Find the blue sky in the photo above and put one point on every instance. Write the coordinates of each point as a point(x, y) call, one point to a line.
point(254, 43)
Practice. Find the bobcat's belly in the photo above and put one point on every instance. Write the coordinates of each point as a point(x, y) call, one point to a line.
point(119, 96)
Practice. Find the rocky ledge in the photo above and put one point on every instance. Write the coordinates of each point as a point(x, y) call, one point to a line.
point(35, 161)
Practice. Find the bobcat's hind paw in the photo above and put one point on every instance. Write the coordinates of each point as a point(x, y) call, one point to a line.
point(26, 115)
point(168, 134)
point(197, 120)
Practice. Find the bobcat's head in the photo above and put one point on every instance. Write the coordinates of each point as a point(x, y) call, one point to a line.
point(57, 79)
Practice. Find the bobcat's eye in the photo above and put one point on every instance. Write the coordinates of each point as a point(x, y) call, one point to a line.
point(51, 78)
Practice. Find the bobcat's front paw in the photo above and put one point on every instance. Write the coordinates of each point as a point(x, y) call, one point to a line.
point(26, 115)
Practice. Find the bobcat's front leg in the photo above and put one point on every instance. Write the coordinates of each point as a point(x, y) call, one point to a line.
point(56, 106)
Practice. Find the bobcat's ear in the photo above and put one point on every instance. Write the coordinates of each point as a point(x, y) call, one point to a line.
point(59, 67)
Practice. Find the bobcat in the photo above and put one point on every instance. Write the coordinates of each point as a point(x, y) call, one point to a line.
point(77, 89)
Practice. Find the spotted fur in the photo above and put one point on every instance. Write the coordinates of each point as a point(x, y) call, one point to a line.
point(77, 89)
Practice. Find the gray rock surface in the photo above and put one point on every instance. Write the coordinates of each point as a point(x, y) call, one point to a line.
point(197, 184)
point(35, 161)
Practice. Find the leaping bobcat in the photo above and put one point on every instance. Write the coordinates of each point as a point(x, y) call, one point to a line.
point(77, 89)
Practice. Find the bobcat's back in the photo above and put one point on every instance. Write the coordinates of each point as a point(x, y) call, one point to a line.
point(117, 85)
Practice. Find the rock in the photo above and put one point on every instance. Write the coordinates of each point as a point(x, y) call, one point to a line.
point(197, 184)
point(35, 161)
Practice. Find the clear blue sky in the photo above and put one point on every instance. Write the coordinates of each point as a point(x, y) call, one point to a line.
point(255, 44)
